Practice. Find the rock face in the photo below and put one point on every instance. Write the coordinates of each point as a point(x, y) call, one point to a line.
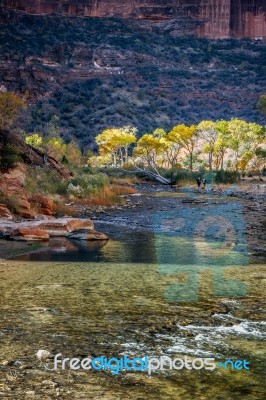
point(218, 18)
point(29, 234)
point(42, 204)
point(12, 182)
point(12, 189)
point(5, 213)
point(248, 18)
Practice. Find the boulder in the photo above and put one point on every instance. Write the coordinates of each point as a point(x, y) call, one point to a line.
point(63, 226)
point(42, 204)
point(87, 234)
point(51, 226)
point(29, 234)
point(5, 213)
point(23, 208)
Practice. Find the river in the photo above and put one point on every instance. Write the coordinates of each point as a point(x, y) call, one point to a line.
point(175, 279)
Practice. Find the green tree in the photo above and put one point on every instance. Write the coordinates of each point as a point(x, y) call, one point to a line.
point(73, 153)
point(9, 156)
point(53, 128)
point(55, 147)
point(244, 140)
point(262, 104)
point(259, 161)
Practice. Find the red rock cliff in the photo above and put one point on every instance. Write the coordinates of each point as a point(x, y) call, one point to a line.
point(220, 18)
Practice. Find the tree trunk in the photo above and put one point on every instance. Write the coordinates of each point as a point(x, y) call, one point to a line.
point(191, 161)
point(126, 154)
point(210, 161)
point(157, 176)
point(222, 161)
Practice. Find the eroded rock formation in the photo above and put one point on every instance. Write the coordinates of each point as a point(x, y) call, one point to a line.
point(218, 18)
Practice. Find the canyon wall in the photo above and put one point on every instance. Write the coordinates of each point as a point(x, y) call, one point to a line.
point(217, 18)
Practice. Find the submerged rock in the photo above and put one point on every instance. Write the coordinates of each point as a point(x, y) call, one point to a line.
point(87, 234)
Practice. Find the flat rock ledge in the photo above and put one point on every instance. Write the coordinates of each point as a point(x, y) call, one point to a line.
point(72, 228)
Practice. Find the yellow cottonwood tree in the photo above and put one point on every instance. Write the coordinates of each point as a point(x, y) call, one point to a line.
point(35, 140)
point(221, 145)
point(116, 141)
point(150, 149)
point(186, 137)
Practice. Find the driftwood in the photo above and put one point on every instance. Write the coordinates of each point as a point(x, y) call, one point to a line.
point(157, 177)
point(31, 155)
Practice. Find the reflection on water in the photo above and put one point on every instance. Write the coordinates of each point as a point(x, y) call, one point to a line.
point(124, 246)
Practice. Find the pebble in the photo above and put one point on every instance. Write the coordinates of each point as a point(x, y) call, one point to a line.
point(49, 383)
point(43, 354)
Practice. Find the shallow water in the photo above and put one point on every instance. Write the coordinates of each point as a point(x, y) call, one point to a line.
point(114, 309)
point(173, 288)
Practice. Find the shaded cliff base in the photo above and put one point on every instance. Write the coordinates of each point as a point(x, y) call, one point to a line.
point(217, 19)
point(95, 73)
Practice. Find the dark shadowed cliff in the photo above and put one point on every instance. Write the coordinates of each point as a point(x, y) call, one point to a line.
point(216, 18)
point(99, 72)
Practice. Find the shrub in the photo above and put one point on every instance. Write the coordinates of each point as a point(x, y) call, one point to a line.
point(227, 176)
point(46, 181)
point(85, 185)
point(181, 176)
point(12, 203)
point(9, 157)
point(262, 104)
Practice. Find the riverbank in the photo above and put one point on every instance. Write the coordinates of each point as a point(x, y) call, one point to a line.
point(132, 222)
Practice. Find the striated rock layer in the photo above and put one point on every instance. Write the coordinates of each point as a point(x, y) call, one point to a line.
point(217, 18)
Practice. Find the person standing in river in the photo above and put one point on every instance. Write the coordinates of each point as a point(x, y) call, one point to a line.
point(199, 181)
point(203, 183)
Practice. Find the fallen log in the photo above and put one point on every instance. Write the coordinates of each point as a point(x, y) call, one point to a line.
point(157, 177)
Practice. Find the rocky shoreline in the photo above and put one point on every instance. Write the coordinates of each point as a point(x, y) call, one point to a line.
point(252, 200)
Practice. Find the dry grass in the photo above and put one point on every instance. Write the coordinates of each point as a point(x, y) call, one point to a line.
point(107, 196)
point(61, 209)
point(121, 189)
point(130, 180)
